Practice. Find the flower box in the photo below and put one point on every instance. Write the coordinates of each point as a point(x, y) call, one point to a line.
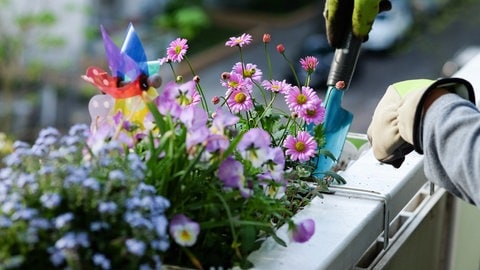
point(351, 219)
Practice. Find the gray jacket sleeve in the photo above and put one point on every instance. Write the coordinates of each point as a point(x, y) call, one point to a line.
point(451, 143)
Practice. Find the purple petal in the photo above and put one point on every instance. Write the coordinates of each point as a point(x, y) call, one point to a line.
point(303, 231)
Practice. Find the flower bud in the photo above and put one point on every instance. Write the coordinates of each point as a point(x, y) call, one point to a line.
point(266, 38)
point(340, 85)
point(280, 48)
point(215, 100)
point(179, 79)
point(196, 79)
point(155, 80)
point(225, 76)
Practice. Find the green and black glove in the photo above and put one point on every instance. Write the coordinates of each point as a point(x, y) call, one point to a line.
point(343, 16)
point(396, 127)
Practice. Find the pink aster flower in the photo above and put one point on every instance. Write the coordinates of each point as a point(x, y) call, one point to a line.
point(300, 100)
point(235, 81)
point(240, 41)
point(177, 50)
point(184, 231)
point(301, 148)
point(309, 63)
point(314, 114)
point(250, 71)
point(239, 101)
point(277, 86)
point(303, 231)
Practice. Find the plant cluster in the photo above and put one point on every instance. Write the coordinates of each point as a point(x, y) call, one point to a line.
point(161, 179)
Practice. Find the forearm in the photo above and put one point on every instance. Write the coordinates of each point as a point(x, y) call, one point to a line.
point(451, 143)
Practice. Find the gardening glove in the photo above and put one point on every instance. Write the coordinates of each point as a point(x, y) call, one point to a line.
point(396, 126)
point(343, 16)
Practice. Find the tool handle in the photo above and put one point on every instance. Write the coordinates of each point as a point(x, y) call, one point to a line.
point(344, 61)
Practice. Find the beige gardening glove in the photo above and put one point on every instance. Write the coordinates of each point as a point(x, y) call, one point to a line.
point(396, 127)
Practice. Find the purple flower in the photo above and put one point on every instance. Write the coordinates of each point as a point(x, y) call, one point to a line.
point(50, 200)
point(195, 120)
point(136, 247)
point(302, 231)
point(274, 166)
point(255, 146)
point(218, 141)
point(183, 94)
point(184, 231)
point(230, 172)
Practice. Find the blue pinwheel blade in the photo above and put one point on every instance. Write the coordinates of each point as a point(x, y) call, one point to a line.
point(120, 64)
point(132, 46)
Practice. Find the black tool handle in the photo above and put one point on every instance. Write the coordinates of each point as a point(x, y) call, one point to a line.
point(344, 61)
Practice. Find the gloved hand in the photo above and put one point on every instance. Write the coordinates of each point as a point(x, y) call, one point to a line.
point(396, 127)
point(343, 16)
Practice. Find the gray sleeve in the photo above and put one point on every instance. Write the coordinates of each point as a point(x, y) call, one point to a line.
point(451, 143)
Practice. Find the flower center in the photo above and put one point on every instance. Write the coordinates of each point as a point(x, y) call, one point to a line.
point(311, 112)
point(300, 146)
point(248, 73)
point(178, 49)
point(182, 98)
point(301, 99)
point(240, 97)
point(233, 84)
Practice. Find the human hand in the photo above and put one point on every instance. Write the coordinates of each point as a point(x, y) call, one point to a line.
point(343, 16)
point(396, 126)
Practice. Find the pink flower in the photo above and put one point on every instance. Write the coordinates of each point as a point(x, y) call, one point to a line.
point(236, 81)
point(277, 86)
point(250, 71)
point(303, 231)
point(240, 41)
point(314, 114)
point(309, 63)
point(177, 50)
point(280, 48)
point(300, 100)
point(301, 148)
point(239, 101)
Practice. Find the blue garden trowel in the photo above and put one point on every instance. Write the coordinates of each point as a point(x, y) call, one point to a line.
point(338, 120)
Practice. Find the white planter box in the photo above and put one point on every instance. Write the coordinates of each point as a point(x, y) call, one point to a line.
point(350, 220)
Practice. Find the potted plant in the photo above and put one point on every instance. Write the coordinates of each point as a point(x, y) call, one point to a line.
point(163, 176)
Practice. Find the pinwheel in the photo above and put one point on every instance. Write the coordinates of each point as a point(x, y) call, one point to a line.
point(132, 79)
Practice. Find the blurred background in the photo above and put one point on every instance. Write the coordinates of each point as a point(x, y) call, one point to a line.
point(45, 46)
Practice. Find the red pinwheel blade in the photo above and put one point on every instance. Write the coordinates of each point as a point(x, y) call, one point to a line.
point(109, 84)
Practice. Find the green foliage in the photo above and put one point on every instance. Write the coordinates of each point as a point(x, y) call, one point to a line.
point(186, 19)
